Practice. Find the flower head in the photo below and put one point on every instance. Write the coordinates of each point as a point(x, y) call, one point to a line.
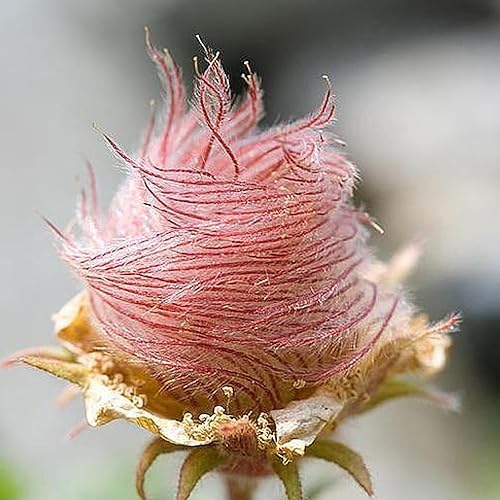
point(231, 278)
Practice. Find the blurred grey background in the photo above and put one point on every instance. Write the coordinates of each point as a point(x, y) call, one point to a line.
point(418, 86)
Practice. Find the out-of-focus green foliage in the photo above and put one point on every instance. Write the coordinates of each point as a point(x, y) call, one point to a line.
point(116, 482)
point(488, 484)
point(10, 486)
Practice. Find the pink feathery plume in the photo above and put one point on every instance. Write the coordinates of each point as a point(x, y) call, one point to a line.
point(232, 255)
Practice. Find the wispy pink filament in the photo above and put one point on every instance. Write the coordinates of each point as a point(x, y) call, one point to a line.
point(231, 255)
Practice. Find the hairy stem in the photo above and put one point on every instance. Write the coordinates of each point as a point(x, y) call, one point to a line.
point(239, 487)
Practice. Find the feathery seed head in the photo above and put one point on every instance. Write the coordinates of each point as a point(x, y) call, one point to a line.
point(231, 305)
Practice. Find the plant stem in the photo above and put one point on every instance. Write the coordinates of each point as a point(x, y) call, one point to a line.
point(239, 487)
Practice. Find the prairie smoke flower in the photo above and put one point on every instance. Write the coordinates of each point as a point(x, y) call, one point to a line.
point(231, 305)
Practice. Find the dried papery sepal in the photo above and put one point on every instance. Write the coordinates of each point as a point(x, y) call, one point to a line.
point(71, 372)
point(49, 352)
point(299, 424)
point(73, 328)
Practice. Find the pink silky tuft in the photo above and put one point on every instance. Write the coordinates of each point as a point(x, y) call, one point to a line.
point(232, 255)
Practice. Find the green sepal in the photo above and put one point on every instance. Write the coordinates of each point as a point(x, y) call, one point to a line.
point(345, 458)
point(153, 450)
point(199, 462)
point(289, 476)
point(400, 388)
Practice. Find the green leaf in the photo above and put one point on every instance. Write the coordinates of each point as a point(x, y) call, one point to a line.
point(198, 463)
point(154, 449)
point(289, 476)
point(345, 458)
point(398, 388)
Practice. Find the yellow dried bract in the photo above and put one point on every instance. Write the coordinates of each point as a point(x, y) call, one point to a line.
point(300, 423)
